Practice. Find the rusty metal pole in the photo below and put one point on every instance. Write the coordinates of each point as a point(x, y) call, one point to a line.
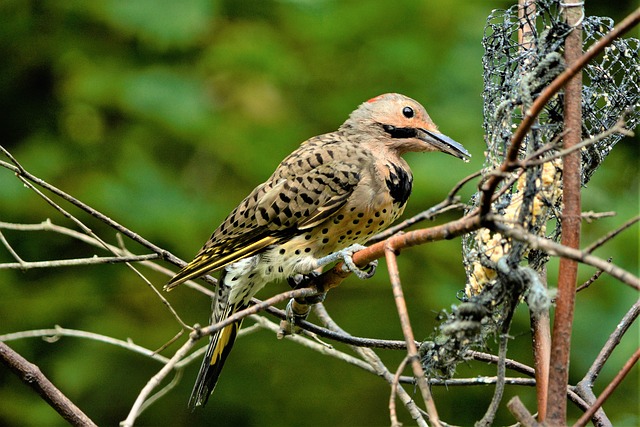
point(567, 277)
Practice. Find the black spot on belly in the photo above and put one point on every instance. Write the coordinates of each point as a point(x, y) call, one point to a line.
point(399, 184)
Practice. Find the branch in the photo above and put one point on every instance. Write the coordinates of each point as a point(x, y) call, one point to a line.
point(47, 226)
point(31, 375)
point(595, 245)
point(24, 175)
point(95, 260)
point(333, 277)
point(412, 349)
point(584, 388)
point(381, 370)
point(314, 345)
point(582, 421)
point(157, 379)
point(553, 248)
point(571, 221)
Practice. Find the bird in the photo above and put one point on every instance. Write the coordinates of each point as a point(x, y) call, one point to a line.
point(320, 205)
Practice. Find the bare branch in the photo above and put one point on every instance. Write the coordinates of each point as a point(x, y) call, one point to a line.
point(584, 387)
point(394, 391)
point(306, 342)
point(595, 245)
point(31, 375)
point(553, 248)
point(52, 335)
point(582, 421)
point(381, 370)
point(95, 260)
point(521, 413)
point(405, 323)
point(157, 379)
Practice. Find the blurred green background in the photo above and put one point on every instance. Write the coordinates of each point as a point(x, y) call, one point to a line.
point(164, 114)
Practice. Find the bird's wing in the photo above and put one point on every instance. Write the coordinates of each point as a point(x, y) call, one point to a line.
point(297, 197)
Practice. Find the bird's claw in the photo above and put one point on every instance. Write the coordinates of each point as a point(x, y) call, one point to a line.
point(288, 326)
point(363, 273)
point(300, 281)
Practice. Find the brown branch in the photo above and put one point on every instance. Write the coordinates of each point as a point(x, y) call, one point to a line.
point(31, 375)
point(405, 323)
point(591, 279)
point(333, 277)
point(541, 343)
point(393, 415)
point(376, 363)
point(571, 225)
point(521, 414)
point(582, 421)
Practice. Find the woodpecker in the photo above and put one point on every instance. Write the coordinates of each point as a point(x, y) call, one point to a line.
point(320, 205)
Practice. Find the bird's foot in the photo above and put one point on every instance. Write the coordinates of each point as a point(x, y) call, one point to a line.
point(294, 313)
point(300, 281)
point(346, 255)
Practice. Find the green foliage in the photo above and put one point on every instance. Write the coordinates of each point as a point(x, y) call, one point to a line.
point(164, 114)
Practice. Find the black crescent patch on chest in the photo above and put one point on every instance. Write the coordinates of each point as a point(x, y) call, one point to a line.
point(399, 184)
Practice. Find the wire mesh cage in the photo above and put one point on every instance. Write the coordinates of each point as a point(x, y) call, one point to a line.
point(524, 48)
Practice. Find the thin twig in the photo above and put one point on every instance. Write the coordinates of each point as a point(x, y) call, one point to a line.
point(591, 279)
point(13, 253)
point(489, 416)
point(54, 334)
point(27, 179)
point(95, 260)
point(157, 379)
point(22, 173)
point(532, 160)
point(393, 415)
point(313, 345)
point(429, 214)
point(163, 391)
point(591, 216)
point(604, 239)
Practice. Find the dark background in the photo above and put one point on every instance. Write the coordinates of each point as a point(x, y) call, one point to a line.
point(163, 115)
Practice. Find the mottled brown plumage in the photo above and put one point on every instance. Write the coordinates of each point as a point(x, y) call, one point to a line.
point(334, 191)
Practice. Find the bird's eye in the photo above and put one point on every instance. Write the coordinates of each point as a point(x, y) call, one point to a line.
point(408, 112)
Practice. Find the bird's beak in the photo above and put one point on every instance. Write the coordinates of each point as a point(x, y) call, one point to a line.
point(444, 144)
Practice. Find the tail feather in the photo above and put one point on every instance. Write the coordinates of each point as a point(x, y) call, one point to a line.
point(219, 348)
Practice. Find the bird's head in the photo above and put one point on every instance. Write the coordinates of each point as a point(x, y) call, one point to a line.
point(403, 124)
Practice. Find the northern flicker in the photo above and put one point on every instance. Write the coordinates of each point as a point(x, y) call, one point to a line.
point(322, 202)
